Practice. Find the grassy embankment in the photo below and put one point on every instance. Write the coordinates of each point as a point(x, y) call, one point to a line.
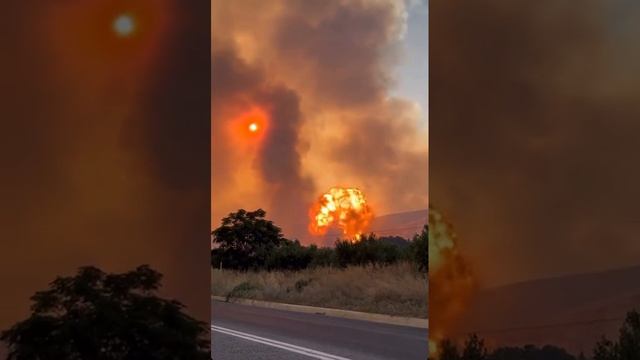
point(394, 290)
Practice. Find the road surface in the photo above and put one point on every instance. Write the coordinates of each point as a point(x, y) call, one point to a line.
point(241, 332)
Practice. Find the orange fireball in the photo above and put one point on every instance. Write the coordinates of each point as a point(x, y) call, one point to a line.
point(345, 208)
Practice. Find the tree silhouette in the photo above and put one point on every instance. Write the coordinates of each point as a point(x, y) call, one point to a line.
point(369, 250)
point(531, 352)
point(290, 255)
point(474, 349)
point(419, 249)
point(605, 350)
point(94, 315)
point(244, 240)
point(448, 350)
point(628, 345)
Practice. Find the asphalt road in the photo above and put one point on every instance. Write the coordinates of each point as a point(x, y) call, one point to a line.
point(241, 332)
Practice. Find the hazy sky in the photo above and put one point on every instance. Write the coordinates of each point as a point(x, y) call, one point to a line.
point(534, 134)
point(413, 74)
point(104, 145)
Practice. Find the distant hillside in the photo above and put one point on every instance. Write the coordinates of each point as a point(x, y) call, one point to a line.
point(395, 240)
point(404, 225)
point(570, 311)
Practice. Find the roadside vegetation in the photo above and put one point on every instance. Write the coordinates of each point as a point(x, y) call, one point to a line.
point(251, 259)
point(394, 290)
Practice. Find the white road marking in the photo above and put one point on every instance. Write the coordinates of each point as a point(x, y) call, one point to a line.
point(279, 344)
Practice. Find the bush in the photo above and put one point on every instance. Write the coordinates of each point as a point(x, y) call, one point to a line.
point(290, 255)
point(322, 257)
point(301, 284)
point(241, 290)
point(367, 251)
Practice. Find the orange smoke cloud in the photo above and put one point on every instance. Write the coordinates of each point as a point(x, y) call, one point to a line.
point(345, 208)
point(451, 281)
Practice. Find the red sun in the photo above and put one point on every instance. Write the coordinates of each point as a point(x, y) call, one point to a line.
point(250, 127)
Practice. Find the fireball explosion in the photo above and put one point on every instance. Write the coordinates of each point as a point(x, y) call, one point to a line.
point(345, 208)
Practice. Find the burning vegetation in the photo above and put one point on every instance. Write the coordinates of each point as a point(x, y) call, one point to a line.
point(345, 208)
point(451, 281)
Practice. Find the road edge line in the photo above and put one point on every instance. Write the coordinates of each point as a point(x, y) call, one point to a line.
point(340, 313)
point(276, 343)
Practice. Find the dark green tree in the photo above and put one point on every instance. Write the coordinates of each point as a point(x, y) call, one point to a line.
point(369, 250)
point(419, 250)
point(629, 339)
point(474, 349)
point(245, 240)
point(94, 315)
point(289, 255)
point(628, 345)
point(322, 257)
point(531, 352)
point(605, 350)
point(398, 241)
point(345, 253)
point(448, 350)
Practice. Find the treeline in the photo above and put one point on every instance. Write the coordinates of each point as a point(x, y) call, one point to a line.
point(247, 241)
point(626, 347)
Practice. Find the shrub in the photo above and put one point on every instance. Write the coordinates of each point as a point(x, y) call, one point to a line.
point(290, 255)
point(241, 290)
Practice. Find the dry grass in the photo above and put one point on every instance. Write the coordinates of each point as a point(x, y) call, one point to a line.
point(394, 290)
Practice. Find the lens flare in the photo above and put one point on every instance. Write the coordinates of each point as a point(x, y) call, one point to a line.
point(345, 208)
point(124, 25)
